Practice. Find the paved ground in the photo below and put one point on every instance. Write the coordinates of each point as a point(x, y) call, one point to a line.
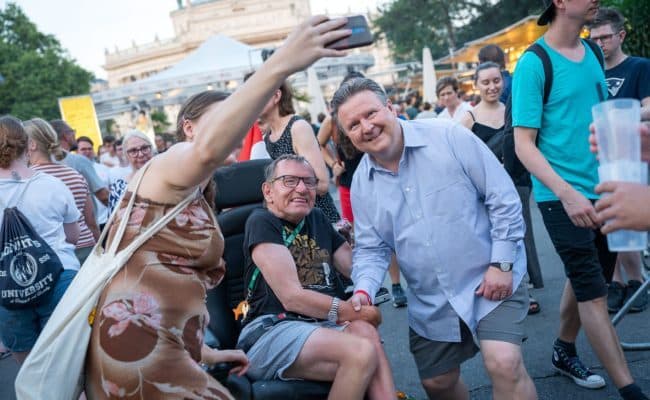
point(541, 330)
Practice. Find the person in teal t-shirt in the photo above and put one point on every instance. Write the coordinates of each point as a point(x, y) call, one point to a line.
point(551, 140)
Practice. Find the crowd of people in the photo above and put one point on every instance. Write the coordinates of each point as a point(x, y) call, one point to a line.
point(423, 186)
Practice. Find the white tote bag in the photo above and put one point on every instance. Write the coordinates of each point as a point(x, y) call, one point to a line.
point(54, 369)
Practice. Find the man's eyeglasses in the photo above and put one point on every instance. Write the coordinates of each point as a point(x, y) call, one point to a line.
point(603, 38)
point(145, 150)
point(291, 181)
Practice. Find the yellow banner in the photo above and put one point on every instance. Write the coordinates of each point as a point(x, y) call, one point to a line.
point(79, 113)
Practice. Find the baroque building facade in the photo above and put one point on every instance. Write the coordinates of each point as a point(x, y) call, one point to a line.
point(258, 23)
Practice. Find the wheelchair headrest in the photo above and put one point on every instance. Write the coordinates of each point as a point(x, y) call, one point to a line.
point(240, 184)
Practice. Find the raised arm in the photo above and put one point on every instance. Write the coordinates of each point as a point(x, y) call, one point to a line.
point(224, 125)
point(305, 144)
point(324, 135)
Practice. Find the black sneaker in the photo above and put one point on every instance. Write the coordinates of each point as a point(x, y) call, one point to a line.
point(615, 296)
point(382, 296)
point(399, 298)
point(641, 302)
point(575, 369)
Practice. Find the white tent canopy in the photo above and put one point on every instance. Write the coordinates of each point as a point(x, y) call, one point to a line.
point(219, 60)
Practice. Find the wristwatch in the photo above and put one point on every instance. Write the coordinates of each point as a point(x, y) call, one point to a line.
point(333, 314)
point(503, 266)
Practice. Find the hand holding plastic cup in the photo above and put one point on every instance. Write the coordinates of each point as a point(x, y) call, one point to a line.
point(619, 152)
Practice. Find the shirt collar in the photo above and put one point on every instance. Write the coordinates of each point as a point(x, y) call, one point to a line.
point(412, 139)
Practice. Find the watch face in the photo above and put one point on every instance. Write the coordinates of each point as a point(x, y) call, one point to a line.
point(505, 267)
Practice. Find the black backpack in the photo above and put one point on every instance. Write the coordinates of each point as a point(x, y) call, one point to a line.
point(29, 268)
point(511, 163)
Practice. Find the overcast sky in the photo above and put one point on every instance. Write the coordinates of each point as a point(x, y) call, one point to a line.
point(86, 27)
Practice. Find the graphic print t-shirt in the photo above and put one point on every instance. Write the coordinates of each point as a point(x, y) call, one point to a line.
point(312, 251)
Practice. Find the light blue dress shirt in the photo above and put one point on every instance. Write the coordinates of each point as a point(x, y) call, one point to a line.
point(449, 211)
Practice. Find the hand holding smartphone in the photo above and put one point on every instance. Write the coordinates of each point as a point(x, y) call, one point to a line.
point(361, 35)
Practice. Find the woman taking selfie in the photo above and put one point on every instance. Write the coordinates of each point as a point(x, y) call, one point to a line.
point(147, 337)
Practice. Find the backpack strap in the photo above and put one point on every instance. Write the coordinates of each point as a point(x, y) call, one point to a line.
point(540, 52)
point(22, 191)
point(597, 52)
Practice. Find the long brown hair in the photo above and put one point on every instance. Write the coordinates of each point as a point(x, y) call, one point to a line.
point(13, 140)
point(192, 110)
point(285, 105)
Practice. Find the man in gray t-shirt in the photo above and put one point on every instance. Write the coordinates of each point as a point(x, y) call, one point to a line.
point(79, 163)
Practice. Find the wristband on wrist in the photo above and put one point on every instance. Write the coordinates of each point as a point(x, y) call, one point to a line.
point(363, 292)
point(333, 314)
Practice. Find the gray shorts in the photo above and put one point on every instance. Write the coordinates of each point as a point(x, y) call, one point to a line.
point(504, 324)
point(279, 348)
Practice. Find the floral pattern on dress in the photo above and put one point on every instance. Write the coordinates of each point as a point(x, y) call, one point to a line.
point(141, 309)
point(146, 341)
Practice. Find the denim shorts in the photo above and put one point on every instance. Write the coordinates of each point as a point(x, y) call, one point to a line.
point(588, 263)
point(19, 329)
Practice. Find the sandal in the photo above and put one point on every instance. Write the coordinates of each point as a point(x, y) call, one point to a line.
point(5, 354)
point(533, 306)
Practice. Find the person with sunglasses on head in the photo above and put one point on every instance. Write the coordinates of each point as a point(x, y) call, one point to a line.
point(296, 326)
point(627, 77)
point(138, 150)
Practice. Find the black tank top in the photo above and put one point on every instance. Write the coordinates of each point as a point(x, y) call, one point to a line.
point(284, 145)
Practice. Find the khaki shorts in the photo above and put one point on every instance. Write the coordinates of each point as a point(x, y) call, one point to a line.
point(504, 324)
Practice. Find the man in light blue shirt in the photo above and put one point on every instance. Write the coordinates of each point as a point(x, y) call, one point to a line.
point(435, 194)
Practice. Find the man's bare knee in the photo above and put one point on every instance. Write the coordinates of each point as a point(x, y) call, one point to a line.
point(364, 329)
point(442, 383)
point(504, 364)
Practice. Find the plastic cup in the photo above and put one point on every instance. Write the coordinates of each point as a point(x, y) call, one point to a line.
point(617, 130)
point(625, 171)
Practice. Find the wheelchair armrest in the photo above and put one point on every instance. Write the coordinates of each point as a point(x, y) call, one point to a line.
point(240, 387)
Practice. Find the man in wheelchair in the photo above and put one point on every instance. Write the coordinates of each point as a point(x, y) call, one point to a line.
point(296, 327)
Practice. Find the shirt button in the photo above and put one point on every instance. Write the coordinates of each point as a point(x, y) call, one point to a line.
point(408, 189)
point(427, 244)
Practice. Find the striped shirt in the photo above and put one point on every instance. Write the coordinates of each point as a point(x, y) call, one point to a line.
point(79, 188)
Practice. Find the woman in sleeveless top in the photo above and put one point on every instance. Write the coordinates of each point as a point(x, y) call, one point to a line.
point(487, 117)
point(486, 120)
point(287, 133)
point(147, 335)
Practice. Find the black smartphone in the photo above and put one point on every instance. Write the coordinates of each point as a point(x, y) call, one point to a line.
point(361, 35)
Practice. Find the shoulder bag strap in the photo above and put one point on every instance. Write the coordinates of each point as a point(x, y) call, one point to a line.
point(125, 220)
point(161, 223)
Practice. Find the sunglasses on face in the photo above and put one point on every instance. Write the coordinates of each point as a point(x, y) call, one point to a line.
point(146, 149)
point(291, 181)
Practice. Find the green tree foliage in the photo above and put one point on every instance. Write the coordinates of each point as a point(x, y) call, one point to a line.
point(410, 25)
point(159, 121)
point(36, 69)
point(637, 13)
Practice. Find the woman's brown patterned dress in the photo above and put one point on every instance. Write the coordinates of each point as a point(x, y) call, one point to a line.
point(148, 330)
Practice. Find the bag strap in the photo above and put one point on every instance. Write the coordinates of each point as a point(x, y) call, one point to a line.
point(127, 212)
point(540, 52)
point(597, 52)
point(152, 229)
point(22, 190)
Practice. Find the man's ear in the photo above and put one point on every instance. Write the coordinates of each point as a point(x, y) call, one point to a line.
point(266, 191)
point(623, 35)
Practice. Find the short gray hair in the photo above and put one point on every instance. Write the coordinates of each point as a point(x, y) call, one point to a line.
point(139, 135)
point(349, 89)
point(269, 171)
